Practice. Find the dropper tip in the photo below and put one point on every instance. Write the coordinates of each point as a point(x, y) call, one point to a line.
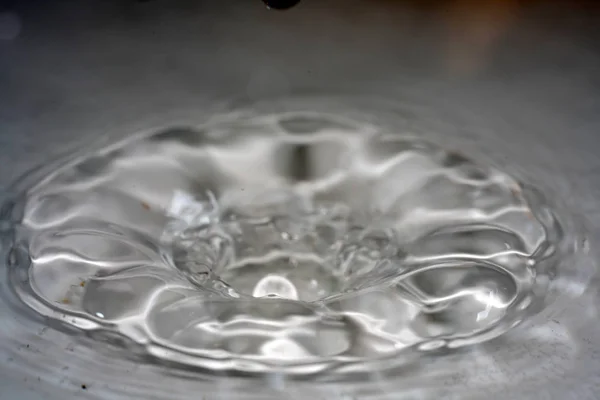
point(280, 4)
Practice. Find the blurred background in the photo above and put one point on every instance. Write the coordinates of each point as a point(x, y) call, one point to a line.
point(77, 66)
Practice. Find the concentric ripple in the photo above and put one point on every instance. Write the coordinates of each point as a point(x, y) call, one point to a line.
point(298, 242)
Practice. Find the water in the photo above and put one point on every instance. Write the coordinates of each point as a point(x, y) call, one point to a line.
point(280, 4)
point(298, 243)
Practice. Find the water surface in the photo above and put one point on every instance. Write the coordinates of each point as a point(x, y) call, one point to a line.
point(294, 242)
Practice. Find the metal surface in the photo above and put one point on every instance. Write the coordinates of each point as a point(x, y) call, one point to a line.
point(518, 83)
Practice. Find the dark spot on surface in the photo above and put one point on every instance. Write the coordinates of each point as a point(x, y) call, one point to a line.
point(82, 283)
point(454, 159)
point(464, 165)
point(300, 162)
point(145, 205)
point(280, 4)
point(84, 386)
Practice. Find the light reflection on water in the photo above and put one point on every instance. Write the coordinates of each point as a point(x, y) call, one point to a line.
point(395, 249)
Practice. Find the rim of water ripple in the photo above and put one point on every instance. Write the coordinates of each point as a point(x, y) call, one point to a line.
point(60, 355)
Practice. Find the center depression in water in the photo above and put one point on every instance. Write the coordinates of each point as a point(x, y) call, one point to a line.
point(293, 242)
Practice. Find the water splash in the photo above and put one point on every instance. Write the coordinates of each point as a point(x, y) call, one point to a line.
point(296, 243)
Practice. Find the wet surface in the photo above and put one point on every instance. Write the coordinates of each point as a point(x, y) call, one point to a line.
point(208, 248)
point(524, 102)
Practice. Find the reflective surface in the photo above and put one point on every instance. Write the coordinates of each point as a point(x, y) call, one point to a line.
point(513, 106)
point(296, 243)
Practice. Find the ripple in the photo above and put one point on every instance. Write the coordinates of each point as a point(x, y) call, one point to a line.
point(300, 243)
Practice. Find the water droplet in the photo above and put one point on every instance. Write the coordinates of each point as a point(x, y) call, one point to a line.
point(275, 286)
point(281, 4)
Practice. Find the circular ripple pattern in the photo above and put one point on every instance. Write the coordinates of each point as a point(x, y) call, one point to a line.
point(296, 242)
